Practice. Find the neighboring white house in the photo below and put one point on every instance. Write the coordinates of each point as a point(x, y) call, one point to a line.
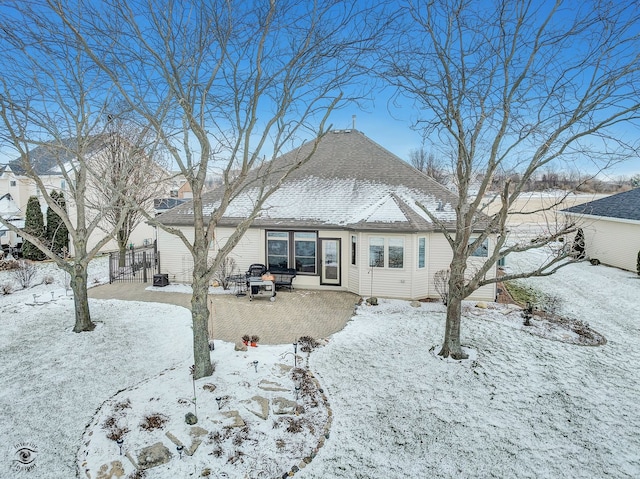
point(347, 219)
point(48, 164)
point(9, 241)
point(611, 228)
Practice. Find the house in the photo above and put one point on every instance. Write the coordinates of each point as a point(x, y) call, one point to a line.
point(49, 162)
point(611, 227)
point(346, 219)
point(9, 211)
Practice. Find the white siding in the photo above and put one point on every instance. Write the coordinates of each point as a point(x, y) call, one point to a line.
point(386, 282)
point(615, 243)
point(440, 255)
point(249, 250)
point(409, 282)
point(175, 259)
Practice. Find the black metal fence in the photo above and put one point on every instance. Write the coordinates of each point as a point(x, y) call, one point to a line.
point(135, 265)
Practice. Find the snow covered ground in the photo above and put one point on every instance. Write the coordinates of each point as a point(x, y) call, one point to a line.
point(521, 406)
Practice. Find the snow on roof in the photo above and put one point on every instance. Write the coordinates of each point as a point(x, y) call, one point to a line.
point(350, 181)
point(8, 207)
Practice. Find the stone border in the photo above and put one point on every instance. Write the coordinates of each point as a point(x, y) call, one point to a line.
point(325, 432)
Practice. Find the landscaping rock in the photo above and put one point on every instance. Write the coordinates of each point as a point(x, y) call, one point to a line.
point(153, 456)
point(197, 432)
point(240, 346)
point(190, 418)
point(281, 405)
point(174, 439)
point(233, 419)
point(115, 471)
point(415, 304)
point(283, 369)
point(271, 386)
point(258, 406)
point(481, 305)
point(373, 301)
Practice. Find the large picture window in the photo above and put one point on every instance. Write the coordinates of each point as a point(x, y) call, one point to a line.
point(302, 255)
point(386, 252)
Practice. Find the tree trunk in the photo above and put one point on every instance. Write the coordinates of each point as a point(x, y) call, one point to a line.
point(122, 248)
point(451, 347)
point(81, 299)
point(200, 318)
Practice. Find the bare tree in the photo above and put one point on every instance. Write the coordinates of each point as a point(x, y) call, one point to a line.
point(518, 85)
point(428, 164)
point(132, 177)
point(226, 86)
point(51, 108)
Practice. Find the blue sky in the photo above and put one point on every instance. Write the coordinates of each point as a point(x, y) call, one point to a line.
point(390, 126)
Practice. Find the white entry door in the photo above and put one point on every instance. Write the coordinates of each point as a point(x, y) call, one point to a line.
point(330, 261)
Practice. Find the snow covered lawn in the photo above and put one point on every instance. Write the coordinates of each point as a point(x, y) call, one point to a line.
point(522, 406)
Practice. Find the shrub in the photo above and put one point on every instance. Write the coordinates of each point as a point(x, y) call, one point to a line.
point(153, 421)
point(577, 249)
point(6, 288)
point(25, 273)
point(56, 231)
point(34, 225)
point(225, 271)
point(441, 283)
point(8, 264)
point(307, 344)
point(550, 303)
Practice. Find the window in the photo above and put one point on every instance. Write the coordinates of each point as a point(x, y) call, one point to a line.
point(277, 249)
point(12, 183)
point(353, 250)
point(482, 250)
point(396, 252)
point(422, 242)
point(376, 252)
point(386, 252)
point(302, 256)
point(305, 252)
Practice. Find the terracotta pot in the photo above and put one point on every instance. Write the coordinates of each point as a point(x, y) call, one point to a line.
point(254, 344)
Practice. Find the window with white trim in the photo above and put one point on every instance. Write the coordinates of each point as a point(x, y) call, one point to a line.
point(376, 252)
point(396, 253)
point(354, 249)
point(386, 252)
point(482, 250)
point(422, 252)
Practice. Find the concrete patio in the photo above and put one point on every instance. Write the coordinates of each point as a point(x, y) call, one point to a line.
point(318, 314)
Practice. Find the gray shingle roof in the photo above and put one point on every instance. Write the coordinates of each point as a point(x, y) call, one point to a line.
point(622, 206)
point(350, 182)
point(46, 159)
